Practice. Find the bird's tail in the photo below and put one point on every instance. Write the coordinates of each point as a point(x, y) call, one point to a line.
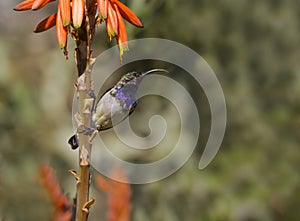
point(73, 141)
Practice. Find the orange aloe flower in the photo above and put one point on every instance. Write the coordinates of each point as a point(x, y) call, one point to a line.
point(70, 16)
point(62, 21)
point(113, 12)
point(60, 203)
point(119, 195)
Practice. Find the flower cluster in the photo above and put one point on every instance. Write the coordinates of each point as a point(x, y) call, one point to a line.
point(119, 195)
point(70, 16)
point(61, 204)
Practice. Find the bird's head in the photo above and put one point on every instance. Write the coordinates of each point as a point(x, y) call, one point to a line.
point(126, 88)
point(135, 77)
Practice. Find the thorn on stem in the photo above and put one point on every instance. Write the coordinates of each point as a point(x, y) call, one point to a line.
point(88, 106)
point(74, 173)
point(93, 135)
point(87, 205)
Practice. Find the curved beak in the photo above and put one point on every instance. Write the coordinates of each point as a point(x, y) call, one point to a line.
point(155, 70)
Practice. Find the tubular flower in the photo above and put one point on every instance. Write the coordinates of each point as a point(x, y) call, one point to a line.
point(70, 16)
point(113, 12)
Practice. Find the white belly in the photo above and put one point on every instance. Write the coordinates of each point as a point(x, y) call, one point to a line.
point(109, 112)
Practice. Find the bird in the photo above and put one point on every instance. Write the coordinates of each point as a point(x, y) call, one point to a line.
point(117, 103)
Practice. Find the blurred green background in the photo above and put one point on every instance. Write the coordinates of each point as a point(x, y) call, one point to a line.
point(254, 48)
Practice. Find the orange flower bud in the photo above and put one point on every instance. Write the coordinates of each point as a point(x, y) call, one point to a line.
point(61, 31)
point(40, 3)
point(77, 12)
point(65, 11)
point(111, 22)
point(25, 5)
point(102, 8)
point(122, 39)
point(47, 23)
point(128, 14)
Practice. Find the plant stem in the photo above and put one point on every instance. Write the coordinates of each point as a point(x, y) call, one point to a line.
point(86, 101)
point(86, 105)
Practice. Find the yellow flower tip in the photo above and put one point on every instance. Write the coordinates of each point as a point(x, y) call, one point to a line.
point(112, 20)
point(122, 36)
point(111, 34)
point(122, 49)
point(62, 45)
point(102, 6)
point(77, 25)
point(66, 23)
